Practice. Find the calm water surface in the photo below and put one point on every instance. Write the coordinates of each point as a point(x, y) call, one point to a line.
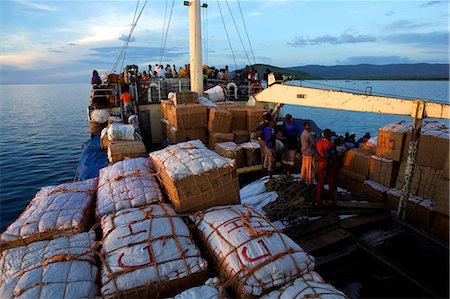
point(43, 128)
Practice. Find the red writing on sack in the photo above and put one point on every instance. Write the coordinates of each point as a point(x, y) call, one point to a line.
point(132, 267)
point(262, 256)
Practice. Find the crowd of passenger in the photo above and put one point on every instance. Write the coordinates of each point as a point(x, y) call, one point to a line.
point(321, 158)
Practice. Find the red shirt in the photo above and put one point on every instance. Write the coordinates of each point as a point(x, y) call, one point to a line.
point(324, 149)
point(126, 97)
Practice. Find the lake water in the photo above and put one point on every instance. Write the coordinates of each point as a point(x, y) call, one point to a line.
point(43, 128)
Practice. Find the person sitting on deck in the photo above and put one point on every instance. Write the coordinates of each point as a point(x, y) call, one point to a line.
point(96, 80)
point(127, 100)
point(325, 153)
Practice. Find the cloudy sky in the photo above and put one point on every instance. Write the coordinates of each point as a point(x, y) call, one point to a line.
point(63, 41)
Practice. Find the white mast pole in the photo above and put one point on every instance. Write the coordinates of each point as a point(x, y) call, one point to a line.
point(195, 47)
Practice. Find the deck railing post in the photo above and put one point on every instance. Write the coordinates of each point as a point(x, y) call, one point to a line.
point(417, 115)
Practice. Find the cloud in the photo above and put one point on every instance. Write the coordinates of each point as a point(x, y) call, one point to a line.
point(56, 51)
point(373, 60)
point(390, 13)
point(36, 5)
point(124, 38)
point(345, 38)
point(71, 44)
point(431, 3)
point(405, 24)
point(429, 39)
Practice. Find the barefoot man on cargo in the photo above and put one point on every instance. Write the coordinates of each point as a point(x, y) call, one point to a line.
point(308, 150)
point(269, 147)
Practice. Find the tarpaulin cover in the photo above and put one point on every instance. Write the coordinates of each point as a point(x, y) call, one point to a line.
point(126, 184)
point(92, 159)
point(148, 252)
point(310, 285)
point(60, 268)
point(54, 211)
point(249, 252)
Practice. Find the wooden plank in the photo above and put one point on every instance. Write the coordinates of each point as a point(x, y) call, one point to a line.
point(325, 240)
point(361, 220)
point(356, 205)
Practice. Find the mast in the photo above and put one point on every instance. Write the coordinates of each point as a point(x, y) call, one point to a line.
point(195, 47)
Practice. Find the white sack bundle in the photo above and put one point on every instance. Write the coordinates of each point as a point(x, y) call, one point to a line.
point(118, 131)
point(99, 116)
point(148, 253)
point(54, 211)
point(126, 184)
point(189, 158)
point(310, 285)
point(60, 268)
point(249, 251)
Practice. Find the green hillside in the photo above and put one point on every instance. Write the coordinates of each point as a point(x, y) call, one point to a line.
point(299, 75)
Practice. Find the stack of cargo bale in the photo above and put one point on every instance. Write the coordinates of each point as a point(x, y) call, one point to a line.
point(183, 118)
point(254, 257)
point(196, 178)
point(98, 121)
point(354, 171)
point(147, 249)
point(123, 142)
point(47, 252)
point(427, 206)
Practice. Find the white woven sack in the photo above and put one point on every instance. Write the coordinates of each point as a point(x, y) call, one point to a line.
point(54, 211)
point(99, 116)
point(310, 285)
point(188, 158)
point(61, 268)
point(118, 131)
point(249, 251)
point(146, 250)
point(126, 184)
point(203, 292)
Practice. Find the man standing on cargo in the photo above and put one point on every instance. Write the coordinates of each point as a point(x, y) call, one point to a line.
point(269, 147)
point(127, 100)
point(326, 168)
point(308, 150)
point(291, 135)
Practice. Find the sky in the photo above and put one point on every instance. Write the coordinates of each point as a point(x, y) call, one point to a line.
point(63, 41)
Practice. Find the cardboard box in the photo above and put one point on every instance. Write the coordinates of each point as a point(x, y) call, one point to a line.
point(440, 226)
point(241, 136)
point(185, 97)
point(216, 187)
point(432, 151)
point(239, 118)
point(367, 148)
point(419, 211)
point(219, 120)
point(120, 150)
point(214, 138)
point(231, 150)
point(383, 171)
point(351, 181)
point(164, 126)
point(187, 116)
point(164, 107)
point(254, 117)
point(356, 161)
point(176, 136)
point(441, 200)
point(424, 183)
point(375, 192)
point(390, 144)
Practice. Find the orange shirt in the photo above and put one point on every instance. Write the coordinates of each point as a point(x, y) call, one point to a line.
point(126, 97)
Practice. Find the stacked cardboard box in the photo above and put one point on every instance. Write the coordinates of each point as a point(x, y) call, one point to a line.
point(375, 192)
point(231, 150)
point(121, 149)
point(383, 171)
point(239, 117)
point(355, 170)
point(241, 136)
point(196, 178)
point(214, 138)
point(219, 120)
point(351, 181)
point(254, 117)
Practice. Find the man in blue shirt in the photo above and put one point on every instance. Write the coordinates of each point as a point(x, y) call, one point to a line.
point(291, 135)
point(269, 147)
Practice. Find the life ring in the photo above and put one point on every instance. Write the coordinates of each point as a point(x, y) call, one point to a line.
point(255, 88)
point(232, 84)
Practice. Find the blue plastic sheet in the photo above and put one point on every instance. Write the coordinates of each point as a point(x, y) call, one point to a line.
point(92, 159)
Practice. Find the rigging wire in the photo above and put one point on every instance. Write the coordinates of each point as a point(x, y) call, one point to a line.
point(163, 31)
point(167, 32)
point(237, 30)
point(123, 51)
point(226, 32)
point(246, 32)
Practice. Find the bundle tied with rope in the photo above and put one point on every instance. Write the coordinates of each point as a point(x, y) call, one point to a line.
point(63, 267)
point(231, 150)
point(148, 252)
point(196, 178)
point(126, 184)
point(294, 202)
point(54, 211)
point(252, 153)
point(249, 253)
